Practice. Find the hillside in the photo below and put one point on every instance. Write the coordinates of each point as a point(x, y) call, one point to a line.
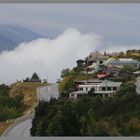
point(16, 101)
point(28, 90)
point(11, 36)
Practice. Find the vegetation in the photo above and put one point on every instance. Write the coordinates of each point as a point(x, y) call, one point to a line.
point(4, 125)
point(129, 68)
point(135, 54)
point(90, 116)
point(10, 107)
point(28, 91)
point(35, 76)
point(15, 101)
point(91, 92)
point(69, 77)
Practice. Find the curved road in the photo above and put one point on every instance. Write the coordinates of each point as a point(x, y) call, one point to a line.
point(43, 94)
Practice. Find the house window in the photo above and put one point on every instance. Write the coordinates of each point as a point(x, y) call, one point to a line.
point(101, 62)
point(103, 88)
point(114, 88)
point(108, 88)
point(80, 88)
point(72, 95)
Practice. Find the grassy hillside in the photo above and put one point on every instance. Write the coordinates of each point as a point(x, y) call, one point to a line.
point(28, 90)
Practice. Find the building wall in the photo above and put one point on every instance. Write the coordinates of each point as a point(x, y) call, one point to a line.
point(97, 88)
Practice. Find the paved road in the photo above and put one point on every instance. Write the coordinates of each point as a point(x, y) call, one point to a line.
point(138, 85)
point(43, 93)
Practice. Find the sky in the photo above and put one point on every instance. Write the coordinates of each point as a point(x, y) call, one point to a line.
point(116, 23)
point(110, 27)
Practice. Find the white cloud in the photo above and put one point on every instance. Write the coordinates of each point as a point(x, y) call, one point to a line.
point(45, 56)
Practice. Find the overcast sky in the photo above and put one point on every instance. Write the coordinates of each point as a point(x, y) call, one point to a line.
point(72, 31)
point(116, 23)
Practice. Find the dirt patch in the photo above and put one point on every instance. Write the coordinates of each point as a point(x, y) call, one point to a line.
point(28, 90)
point(4, 125)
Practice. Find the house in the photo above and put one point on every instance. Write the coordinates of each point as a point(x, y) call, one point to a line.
point(35, 80)
point(112, 71)
point(95, 62)
point(103, 88)
point(96, 57)
point(136, 73)
point(91, 69)
point(117, 72)
point(77, 94)
point(109, 60)
point(82, 82)
point(45, 81)
point(80, 63)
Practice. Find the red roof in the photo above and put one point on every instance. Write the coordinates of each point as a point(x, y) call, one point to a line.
point(101, 75)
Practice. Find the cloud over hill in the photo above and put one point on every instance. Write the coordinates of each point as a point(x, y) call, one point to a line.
point(46, 56)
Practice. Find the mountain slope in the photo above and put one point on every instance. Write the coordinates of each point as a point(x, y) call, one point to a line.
point(11, 36)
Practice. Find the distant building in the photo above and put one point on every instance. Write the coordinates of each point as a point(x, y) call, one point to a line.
point(45, 81)
point(136, 73)
point(95, 62)
point(35, 80)
point(112, 71)
point(96, 57)
point(91, 68)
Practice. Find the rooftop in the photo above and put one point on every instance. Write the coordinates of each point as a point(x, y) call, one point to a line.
point(104, 83)
point(90, 81)
point(110, 83)
point(96, 56)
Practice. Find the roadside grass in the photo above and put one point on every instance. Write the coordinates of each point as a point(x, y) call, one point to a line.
point(28, 90)
point(4, 126)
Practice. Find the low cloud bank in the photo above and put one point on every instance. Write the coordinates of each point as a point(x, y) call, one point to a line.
point(47, 57)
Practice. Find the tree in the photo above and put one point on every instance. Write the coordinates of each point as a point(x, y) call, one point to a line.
point(121, 54)
point(129, 67)
point(55, 127)
point(126, 89)
point(35, 76)
point(65, 72)
point(67, 84)
point(91, 92)
point(128, 53)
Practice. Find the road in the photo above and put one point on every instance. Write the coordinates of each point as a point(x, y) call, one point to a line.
point(43, 94)
point(138, 85)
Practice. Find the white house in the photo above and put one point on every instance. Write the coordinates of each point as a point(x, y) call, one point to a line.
point(104, 88)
